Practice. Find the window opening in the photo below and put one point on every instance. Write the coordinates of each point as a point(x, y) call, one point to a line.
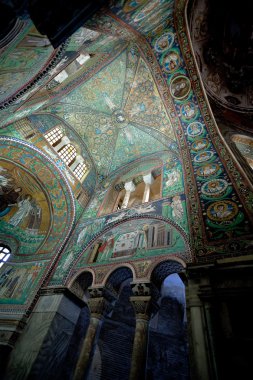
point(5, 253)
point(68, 153)
point(54, 135)
point(80, 170)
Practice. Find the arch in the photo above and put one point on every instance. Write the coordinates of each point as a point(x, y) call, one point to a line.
point(81, 283)
point(59, 195)
point(78, 274)
point(116, 267)
point(163, 270)
point(117, 276)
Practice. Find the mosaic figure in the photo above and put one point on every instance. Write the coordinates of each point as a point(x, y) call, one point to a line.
point(164, 42)
point(204, 156)
point(171, 61)
point(214, 187)
point(106, 247)
point(177, 207)
point(208, 170)
point(24, 208)
point(172, 177)
point(180, 87)
point(195, 129)
point(222, 211)
point(188, 111)
point(199, 145)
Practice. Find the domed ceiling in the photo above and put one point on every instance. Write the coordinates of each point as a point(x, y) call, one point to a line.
point(221, 34)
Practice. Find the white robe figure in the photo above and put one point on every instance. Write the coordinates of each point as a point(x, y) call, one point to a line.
point(177, 207)
point(24, 208)
point(172, 177)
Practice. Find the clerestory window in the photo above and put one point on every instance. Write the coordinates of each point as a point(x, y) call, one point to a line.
point(5, 253)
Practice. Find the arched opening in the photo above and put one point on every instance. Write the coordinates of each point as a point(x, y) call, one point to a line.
point(167, 350)
point(111, 357)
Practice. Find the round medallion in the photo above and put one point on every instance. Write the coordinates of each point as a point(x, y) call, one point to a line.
point(180, 87)
point(170, 61)
point(164, 42)
point(222, 211)
point(188, 111)
point(208, 170)
point(195, 129)
point(214, 188)
point(204, 156)
point(119, 119)
point(199, 144)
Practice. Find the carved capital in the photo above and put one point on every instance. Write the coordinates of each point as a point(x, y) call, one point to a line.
point(141, 306)
point(141, 289)
point(141, 299)
point(96, 302)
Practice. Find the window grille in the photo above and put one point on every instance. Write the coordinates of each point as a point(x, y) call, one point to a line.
point(5, 253)
point(54, 135)
point(80, 170)
point(68, 153)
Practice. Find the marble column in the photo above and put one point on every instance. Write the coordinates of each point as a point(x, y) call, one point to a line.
point(198, 329)
point(64, 141)
point(130, 187)
point(96, 305)
point(140, 301)
point(148, 180)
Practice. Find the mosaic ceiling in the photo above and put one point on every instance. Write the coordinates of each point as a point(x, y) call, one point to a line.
point(138, 97)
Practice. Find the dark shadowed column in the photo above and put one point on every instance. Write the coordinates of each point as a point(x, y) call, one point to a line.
point(96, 305)
point(140, 301)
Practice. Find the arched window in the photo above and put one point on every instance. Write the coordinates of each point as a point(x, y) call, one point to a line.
point(68, 153)
point(5, 253)
point(54, 135)
point(80, 170)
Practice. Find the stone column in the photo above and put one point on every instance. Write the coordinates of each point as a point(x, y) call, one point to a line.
point(64, 141)
point(148, 180)
point(198, 328)
point(96, 305)
point(130, 187)
point(140, 301)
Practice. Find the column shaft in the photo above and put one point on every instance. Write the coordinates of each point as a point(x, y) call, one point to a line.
point(126, 199)
point(146, 193)
point(138, 362)
point(198, 332)
point(84, 356)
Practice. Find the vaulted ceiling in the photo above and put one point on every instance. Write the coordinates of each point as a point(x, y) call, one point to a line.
point(113, 101)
